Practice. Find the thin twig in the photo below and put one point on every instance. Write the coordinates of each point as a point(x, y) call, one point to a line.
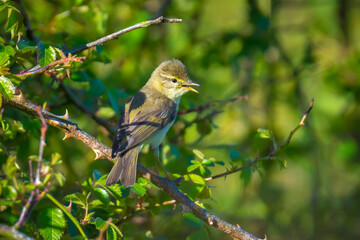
point(202, 108)
point(64, 61)
point(44, 128)
point(270, 156)
point(115, 35)
point(101, 150)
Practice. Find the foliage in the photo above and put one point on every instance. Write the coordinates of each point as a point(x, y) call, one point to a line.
point(279, 54)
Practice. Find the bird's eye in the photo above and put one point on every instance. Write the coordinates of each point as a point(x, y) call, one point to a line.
point(174, 80)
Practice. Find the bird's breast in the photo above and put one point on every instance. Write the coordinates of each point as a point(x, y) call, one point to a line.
point(157, 138)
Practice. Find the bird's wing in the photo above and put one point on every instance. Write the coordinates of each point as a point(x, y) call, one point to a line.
point(138, 125)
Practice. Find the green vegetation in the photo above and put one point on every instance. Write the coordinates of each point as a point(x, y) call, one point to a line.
point(278, 53)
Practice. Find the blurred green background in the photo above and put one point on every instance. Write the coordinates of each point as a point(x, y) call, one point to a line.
point(279, 53)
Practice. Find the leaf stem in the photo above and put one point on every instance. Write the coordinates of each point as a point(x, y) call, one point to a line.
point(72, 218)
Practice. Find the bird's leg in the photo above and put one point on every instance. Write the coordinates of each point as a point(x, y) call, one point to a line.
point(156, 154)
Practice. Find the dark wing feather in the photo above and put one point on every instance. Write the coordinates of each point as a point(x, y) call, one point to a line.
point(138, 125)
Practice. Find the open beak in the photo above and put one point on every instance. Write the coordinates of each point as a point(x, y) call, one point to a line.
point(188, 84)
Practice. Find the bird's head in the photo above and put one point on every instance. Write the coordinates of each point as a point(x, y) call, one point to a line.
point(171, 79)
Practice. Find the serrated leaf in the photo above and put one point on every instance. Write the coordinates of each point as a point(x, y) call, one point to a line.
point(102, 195)
point(192, 221)
point(47, 54)
point(9, 50)
point(99, 223)
point(51, 223)
point(138, 189)
point(4, 58)
point(110, 233)
point(199, 154)
point(264, 133)
point(77, 198)
point(7, 88)
point(115, 191)
point(13, 21)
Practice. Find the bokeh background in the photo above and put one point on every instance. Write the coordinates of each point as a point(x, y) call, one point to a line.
point(279, 53)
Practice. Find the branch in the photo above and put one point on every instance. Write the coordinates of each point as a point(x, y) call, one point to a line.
point(64, 61)
point(270, 156)
point(12, 233)
point(101, 150)
point(202, 108)
point(115, 35)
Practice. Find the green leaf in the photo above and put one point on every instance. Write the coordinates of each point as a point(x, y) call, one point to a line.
point(208, 162)
point(205, 171)
point(97, 88)
point(60, 178)
point(201, 233)
point(8, 50)
point(246, 176)
point(105, 112)
point(9, 192)
point(13, 22)
point(192, 221)
point(7, 88)
point(99, 223)
point(113, 96)
point(10, 167)
point(102, 195)
point(205, 193)
point(4, 58)
point(115, 191)
point(51, 223)
point(264, 133)
point(55, 158)
point(77, 198)
point(97, 175)
point(80, 76)
point(138, 189)
point(195, 179)
point(47, 54)
point(196, 164)
point(110, 233)
point(199, 154)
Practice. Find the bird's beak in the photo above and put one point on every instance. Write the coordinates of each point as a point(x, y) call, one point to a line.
point(188, 84)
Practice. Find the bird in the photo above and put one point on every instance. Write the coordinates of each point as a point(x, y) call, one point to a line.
point(146, 118)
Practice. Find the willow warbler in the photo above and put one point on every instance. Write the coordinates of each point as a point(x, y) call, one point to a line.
point(147, 117)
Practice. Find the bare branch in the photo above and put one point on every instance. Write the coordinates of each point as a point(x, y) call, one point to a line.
point(270, 156)
point(42, 145)
point(115, 35)
point(101, 150)
point(64, 61)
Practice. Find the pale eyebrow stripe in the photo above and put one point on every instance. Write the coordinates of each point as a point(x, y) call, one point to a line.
point(171, 77)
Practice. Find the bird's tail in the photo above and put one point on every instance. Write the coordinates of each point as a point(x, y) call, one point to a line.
point(124, 169)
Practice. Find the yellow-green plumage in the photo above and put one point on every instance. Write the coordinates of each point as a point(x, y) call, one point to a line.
point(146, 118)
